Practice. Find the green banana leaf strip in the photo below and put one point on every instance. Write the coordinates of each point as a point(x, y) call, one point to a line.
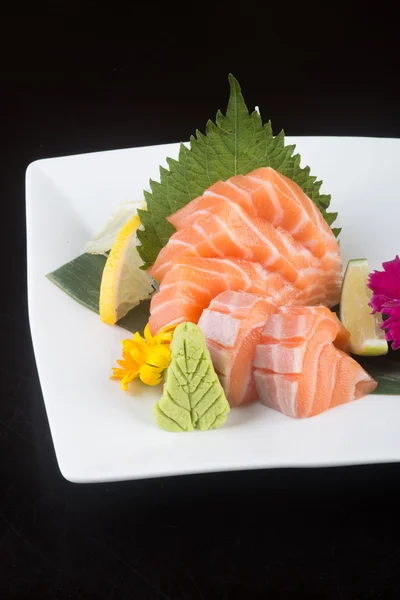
point(81, 279)
point(385, 370)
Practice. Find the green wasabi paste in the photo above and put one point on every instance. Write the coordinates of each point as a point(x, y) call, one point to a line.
point(193, 396)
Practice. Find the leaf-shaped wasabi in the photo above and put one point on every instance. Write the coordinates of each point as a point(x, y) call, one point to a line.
point(193, 396)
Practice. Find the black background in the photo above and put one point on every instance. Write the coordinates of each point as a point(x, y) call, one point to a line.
point(67, 87)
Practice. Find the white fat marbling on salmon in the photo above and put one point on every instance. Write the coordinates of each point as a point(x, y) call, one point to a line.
point(195, 287)
point(280, 358)
point(292, 246)
point(219, 327)
point(313, 374)
point(278, 327)
point(273, 252)
point(246, 253)
point(242, 191)
point(244, 195)
point(233, 302)
point(277, 391)
point(173, 241)
point(208, 240)
point(200, 214)
point(332, 380)
point(206, 271)
point(242, 273)
point(287, 192)
point(156, 308)
point(220, 359)
point(272, 195)
point(214, 194)
point(249, 376)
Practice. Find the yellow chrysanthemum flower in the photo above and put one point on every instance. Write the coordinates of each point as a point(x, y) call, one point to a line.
point(157, 361)
point(145, 358)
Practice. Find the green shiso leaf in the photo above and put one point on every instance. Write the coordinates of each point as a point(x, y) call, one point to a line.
point(81, 279)
point(236, 143)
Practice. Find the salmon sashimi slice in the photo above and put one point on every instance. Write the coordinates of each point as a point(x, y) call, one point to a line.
point(290, 208)
point(342, 338)
point(233, 326)
point(191, 284)
point(232, 232)
point(275, 198)
point(214, 198)
point(299, 371)
point(263, 219)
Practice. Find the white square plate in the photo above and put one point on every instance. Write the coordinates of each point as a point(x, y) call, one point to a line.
point(103, 434)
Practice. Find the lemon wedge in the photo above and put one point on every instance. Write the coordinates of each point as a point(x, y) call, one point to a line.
point(124, 284)
point(366, 336)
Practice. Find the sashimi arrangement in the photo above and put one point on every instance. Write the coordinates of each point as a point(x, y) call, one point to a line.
point(230, 277)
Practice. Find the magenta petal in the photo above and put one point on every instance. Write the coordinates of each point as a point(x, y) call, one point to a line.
point(392, 267)
point(392, 325)
point(385, 286)
point(387, 282)
point(378, 302)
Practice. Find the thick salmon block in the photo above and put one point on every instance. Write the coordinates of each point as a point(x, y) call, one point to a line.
point(232, 326)
point(299, 370)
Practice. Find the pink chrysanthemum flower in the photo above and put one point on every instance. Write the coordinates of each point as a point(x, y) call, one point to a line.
point(385, 286)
